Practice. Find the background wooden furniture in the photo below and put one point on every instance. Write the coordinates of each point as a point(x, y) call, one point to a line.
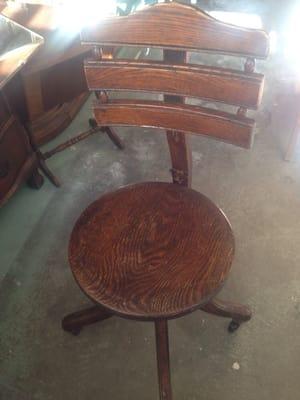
point(18, 158)
point(48, 91)
point(51, 88)
point(155, 251)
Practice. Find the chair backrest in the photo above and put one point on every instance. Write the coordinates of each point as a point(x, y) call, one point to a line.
point(177, 29)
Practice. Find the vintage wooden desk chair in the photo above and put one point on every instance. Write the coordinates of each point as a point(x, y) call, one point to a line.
point(155, 251)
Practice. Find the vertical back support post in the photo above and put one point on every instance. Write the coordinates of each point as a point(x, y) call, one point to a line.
point(249, 67)
point(178, 142)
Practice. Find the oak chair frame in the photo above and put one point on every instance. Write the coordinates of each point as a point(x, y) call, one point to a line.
point(177, 29)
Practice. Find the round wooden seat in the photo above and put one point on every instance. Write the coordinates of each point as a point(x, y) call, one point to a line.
point(151, 250)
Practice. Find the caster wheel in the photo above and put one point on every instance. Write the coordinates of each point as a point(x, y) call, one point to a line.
point(93, 123)
point(233, 326)
point(36, 181)
point(75, 332)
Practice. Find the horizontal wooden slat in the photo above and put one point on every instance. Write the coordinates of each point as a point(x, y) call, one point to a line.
point(216, 84)
point(177, 26)
point(191, 119)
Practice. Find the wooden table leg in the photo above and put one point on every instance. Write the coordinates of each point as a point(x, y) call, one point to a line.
point(163, 359)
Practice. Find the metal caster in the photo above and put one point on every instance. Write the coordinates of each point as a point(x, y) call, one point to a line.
point(36, 180)
point(74, 330)
point(233, 326)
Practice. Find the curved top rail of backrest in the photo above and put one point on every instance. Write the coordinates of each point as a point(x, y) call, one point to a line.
point(177, 26)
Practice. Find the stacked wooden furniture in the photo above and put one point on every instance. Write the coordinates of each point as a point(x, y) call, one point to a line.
point(155, 251)
point(18, 158)
point(44, 95)
point(51, 89)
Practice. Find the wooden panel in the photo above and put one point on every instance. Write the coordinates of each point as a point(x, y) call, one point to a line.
point(15, 97)
point(223, 126)
point(15, 154)
point(13, 61)
point(4, 111)
point(56, 88)
point(34, 96)
point(53, 122)
point(215, 84)
point(36, 17)
point(177, 26)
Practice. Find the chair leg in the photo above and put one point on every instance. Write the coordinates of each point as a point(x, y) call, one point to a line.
point(43, 166)
point(113, 137)
point(73, 323)
point(163, 359)
point(109, 131)
point(237, 312)
point(41, 161)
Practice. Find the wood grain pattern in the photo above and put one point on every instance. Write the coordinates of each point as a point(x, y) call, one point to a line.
point(177, 26)
point(227, 127)
point(151, 250)
point(211, 83)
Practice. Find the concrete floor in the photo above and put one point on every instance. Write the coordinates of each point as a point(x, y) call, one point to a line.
point(116, 359)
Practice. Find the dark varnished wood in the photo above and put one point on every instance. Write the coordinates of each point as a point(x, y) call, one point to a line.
point(84, 135)
point(237, 312)
point(211, 83)
point(18, 160)
point(73, 323)
point(178, 142)
point(181, 158)
point(71, 142)
point(151, 250)
point(26, 76)
point(114, 137)
point(178, 27)
point(220, 125)
point(51, 123)
point(52, 83)
point(36, 180)
point(163, 359)
point(156, 251)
